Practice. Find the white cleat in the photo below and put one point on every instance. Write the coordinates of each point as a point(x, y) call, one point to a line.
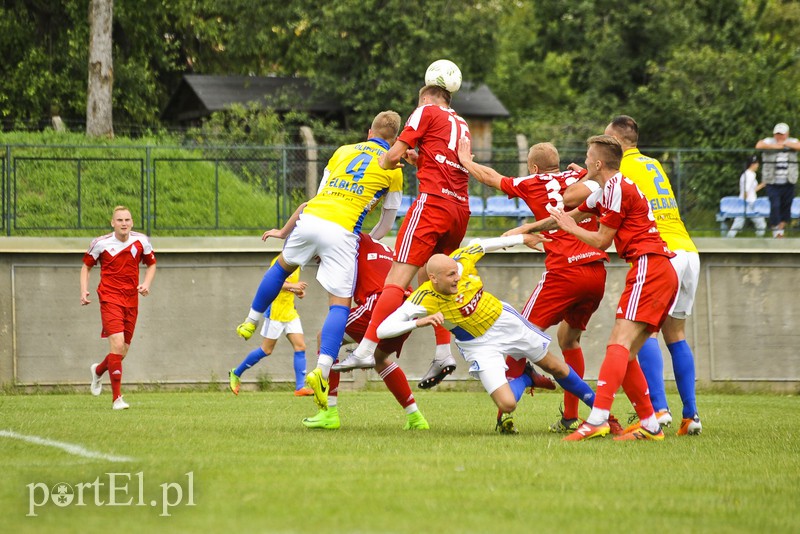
point(438, 370)
point(664, 418)
point(96, 387)
point(354, 362)
point(120, 404)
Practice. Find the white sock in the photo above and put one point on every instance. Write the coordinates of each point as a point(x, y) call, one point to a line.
point(597, 416)
point(254, 316)
point(411, 408)
point(365, 349)
point(324, 362)
point(651, 424)
point(333, 401)
point(443, 352)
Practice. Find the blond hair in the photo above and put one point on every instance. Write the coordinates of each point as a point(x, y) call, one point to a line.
point(610, 150)
point(436, 92)
point(386, 125)
point(543, 155)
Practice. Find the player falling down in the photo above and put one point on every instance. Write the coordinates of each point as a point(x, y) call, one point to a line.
point(486, 329)
point(352, 185)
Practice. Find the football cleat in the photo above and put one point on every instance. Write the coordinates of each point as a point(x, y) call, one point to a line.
point(325, 419)
point(319, 386)
point(664, 417)
point(615, 426)
point(641, 433)
point(505, 425)
point(96, 386)
point(120, 404)
point(303, 392)
point(416, 421)
point(690, 426)
point(437, 371)
point(246, 329)
point(588, 431)
point(354, 362)
point(565, 426)
point(539, 381)
point(234, 381)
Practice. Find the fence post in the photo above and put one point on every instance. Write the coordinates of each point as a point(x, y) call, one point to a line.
point(522, 154)
point(146, 192)
point(311, 160)
point(7, 206)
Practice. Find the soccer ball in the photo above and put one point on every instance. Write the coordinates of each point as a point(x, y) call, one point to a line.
point(445, 74)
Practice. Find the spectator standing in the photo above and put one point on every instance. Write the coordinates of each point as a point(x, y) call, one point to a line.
point(748, 186)
point(779, 175)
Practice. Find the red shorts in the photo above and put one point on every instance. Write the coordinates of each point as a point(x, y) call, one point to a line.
point(118, 319)
point(357, 324)
point(650, 289)
point(433, 225)
point(570, 294)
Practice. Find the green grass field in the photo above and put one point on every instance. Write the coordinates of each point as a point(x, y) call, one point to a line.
point(253, 468)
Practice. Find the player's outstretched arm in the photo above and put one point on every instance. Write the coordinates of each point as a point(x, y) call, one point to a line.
point(85, 284)
point(284, 232)
point(482, 173)
point(404, 319)
point(391, 159)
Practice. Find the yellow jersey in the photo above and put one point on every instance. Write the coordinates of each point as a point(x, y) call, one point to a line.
point(282, 308)
point(471, 311)
point(653, 182)
point(353, 184)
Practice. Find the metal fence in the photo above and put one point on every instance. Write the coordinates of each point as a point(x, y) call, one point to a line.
point(202, 190)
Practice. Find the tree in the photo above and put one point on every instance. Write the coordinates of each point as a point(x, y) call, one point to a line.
point(99, 116)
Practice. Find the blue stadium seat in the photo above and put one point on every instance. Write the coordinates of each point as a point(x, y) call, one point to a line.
point(524, 210)
point(475, 206)
point(502, 206)
point(405, 204)
point(796, 208)
point(730, 207)
point(762, 208)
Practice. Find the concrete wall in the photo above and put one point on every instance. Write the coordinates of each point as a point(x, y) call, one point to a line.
point(744, 327)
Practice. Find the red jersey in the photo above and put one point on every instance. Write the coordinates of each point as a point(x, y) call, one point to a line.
point(119, 266)
point(374, 261)
point(623, 207)
point(435, 131)
point(540, 190)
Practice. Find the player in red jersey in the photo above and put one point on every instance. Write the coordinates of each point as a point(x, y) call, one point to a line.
point(435, 223)
point(650, 287)
point(374, 263)
point(573, 283)
point(119, 254)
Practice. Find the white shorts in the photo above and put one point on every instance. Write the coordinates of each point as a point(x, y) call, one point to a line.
point(510, 335)
point(274, 329)
point(335, 247)
point(687, 267)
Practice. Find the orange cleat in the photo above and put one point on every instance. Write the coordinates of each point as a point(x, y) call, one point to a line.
point(588, 431)
point(642, 433)
point(303, 392)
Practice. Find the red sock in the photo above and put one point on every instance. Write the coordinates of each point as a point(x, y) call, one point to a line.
point(573, 358)
point(333, 384)
point(102, 367)
point(635, 387)
point(391, 298)
point(442, 335)
point(612, 372)
point(115, 374)
point(515, 367)
point(395, 379)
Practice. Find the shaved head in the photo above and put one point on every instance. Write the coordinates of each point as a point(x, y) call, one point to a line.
point(443, 274)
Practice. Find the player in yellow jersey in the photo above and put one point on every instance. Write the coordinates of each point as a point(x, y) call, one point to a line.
point(649, 176)
point(328, 228)
point(283, 319)
point(486, 329)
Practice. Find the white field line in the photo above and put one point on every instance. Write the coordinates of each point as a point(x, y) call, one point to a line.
point(68, 447)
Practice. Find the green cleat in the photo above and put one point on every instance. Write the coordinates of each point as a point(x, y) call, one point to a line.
point(246, 329)
point(319, 385)
point(416, 421)
point(565, 426)
point(327, 419)
point(234, 381)
point(505, 425)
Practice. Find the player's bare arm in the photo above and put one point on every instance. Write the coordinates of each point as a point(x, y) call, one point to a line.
point(568, 221)
point(530, 228)
point(482, 173)
point(284, 232)
point(85, 284)
point(436, 319)
point(391, 159)
point(149, 274)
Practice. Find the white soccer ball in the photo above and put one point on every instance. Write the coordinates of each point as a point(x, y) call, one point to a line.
point(445, 74)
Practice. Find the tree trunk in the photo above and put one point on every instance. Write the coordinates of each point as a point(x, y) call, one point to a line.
point(99, 121)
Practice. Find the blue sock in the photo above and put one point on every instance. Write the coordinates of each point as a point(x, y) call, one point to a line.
point(299, 368)
point(683, 365)
point(249, 361)
point(269, 287)
point(652, 365)
point(519, 384)
point(575, 385)
point(333, 330)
